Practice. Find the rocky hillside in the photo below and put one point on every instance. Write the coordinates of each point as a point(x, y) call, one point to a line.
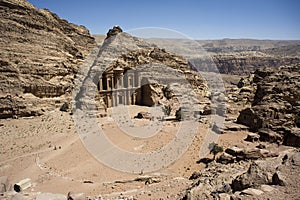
point(248, 173)
point(40, 55)
point(275, 109)
point(161, 68)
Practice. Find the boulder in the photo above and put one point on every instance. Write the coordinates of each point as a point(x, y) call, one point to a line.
point(249, 117)
point(254, 177)
point(234, 151)
point(267, 153)
point(250, 154)
point(267, 135)
point(252, 192)
point(143, 115)
point(252, 137)
point(266, 188)
point(235, 127)
point(152, 180)
point(225, 158)
point(217, 129)
point(76, 196)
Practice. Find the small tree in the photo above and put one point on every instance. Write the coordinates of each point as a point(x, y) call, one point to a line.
point(167, 110)
point(215, 149)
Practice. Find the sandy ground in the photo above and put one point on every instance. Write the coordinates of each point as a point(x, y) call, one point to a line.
point(48, 150)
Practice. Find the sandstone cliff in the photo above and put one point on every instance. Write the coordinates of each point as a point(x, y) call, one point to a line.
point(40, 55)
point(243, 63)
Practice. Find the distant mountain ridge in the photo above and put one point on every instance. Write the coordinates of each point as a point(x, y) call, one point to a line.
point(242, 56)
point(238, 45)
point(235, 45)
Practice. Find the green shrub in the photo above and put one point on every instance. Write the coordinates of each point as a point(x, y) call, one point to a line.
point(215, 149)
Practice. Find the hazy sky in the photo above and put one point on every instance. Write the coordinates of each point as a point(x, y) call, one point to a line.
point(198, 19)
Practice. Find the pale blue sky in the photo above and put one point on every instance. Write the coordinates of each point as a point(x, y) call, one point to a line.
point(198, 19)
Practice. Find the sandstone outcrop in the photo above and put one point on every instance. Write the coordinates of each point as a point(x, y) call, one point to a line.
point(114, 31)
point(257, 178)
point(40, 56)
point(275, 105)
point(254, 177)
point(129, 71)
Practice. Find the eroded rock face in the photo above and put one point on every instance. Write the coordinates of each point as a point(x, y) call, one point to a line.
point(292, 137)
point(114, 31)
point(129, 70)
point(246, 62)
point(276, 104)
point(40, 55)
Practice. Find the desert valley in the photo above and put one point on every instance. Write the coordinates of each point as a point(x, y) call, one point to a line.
point(119, 117)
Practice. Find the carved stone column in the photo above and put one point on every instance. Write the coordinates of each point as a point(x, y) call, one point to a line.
point(126, 97)
point(100, 85)
point(115, 98)
point(112, 82)
point(133, 98)
point(107, 83)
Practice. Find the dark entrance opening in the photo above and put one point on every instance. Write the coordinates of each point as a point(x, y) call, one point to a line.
point(120, 99)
